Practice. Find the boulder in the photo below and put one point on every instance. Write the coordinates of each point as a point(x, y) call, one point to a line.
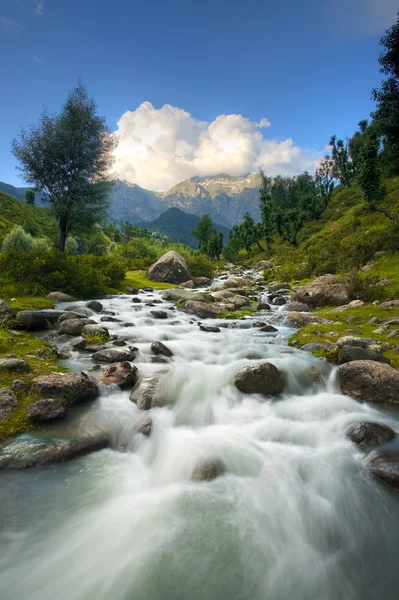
point(239, 301)
point(325, 290)
point(275, 287)
point(121, 373)
point(8, 403)
point(146, 427)
point(26, 451)
point(159, 314)
point(279, 301)
point(6, 312)
point(95, 305)
point(350, 340)
point(261, 378)
point(209, 328)
point(316, 347)
point(264, 264)
point(181, 294)
point(37, 320)
point(263, 306)
point(70, 314)
point(369, 435)
point(59, 297)
point(201, 281)
point(268, 329)
point(18, 385)
point(223, 295)
point(297, 307)
point(350, 306)
point(13, 364)
point(147, 394)
point(369, 381)
point(295, 319)
point(170, 268)
point(113, 355)
point(94, 329)
point(47, 409)
point(383, 463)
point(236, 282)
point(159, 348)
point(74, 327)
point(208, 470)
point(202, 309)
point(73, 388)
point(350, 353)
point(390, 304)
point(188, 285)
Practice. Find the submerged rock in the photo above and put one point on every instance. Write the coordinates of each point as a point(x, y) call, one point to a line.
point(146, 427)
point(170, 268)
point(369, 435)
point(369, 381)
point(147, 394)
point(261, 378)
point(159, 314)
point(209, 328)
point(208, 470)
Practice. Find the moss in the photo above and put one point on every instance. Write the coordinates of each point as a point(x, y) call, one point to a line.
point(23, 344)
point(30, 303)
point(137, 279)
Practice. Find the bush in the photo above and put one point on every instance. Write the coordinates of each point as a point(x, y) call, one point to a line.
point(71, 246)
point(40, 245)
point(17, 241)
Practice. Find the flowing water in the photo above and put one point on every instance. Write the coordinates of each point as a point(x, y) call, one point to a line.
point(295, 515)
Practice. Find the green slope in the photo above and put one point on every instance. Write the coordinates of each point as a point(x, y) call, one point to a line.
point(38, 221)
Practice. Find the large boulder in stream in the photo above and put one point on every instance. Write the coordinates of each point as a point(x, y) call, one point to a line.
point(383, 463)
point(74, 327)
point(73, 388)
point(114, 355)
point(203, 310)
point(170, 268)
point(159, 348)
point(183, 294)
point(37, 320)
point(261, 378)
point(148, 393)
point(369, 381)
point(122, 373)
point(369, 435)
point(326, 290)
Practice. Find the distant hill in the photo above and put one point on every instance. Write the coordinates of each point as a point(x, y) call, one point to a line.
point(19, 193)
point(178, 225)
point(36, 220)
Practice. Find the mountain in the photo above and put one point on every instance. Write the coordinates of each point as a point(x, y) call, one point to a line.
point(130, 202)
point(178, 225)
point(19, 193)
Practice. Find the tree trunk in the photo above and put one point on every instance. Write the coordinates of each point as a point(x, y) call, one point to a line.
point(63, 234)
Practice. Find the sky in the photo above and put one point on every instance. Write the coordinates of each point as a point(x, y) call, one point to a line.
point(195, 88)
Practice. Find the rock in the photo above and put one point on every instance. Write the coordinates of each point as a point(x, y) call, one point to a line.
point(279, 301)
point(26, 451)
point(264, 264)
point(262, 378)
point(74, 327)
point(70, 314)
point(378, 254)
point(393, 334)
point(258, 324)
point(295, 319)
point(59, 297)
point(201, 281)
point(6, 312)
point(74, 388)
point(208, 470)
point(239, 301)
point(170, 268)
point(274, 287)
point(180, 294)
point(95, 305)
point(136, 300)
point(147, 394)
point(113, 355)
point(8, 403)
point(383, 463)
point(159, 348)
point(350, 353)
point(236, 282)
point(47, 409)
point(369, 381)
point(37, 320)
point(368, 267)
point(325, 290)
point(202, 309)
point(110, 320)
point(223, 295)
point(389, 304)
point(146, 427)
point(209, 328)
point(13, 364)
point(268, 329)
point(315, 347)
point(384, 282)
point(159, 314)
point(188, 285)
point(121, 373)
point(95, 330)
point(263, 306)
point(18, 385)
point(296, 307)
point(369, 435)
point(350, 340)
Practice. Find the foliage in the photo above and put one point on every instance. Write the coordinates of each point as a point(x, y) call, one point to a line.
point(71, 246)
point(30, 196)
point(35, 220)
point(248, 233)
point(17, 241)
point(68, 156)
point(369, 176)
point(96, 338)
point(231, 249)
point(343, 166)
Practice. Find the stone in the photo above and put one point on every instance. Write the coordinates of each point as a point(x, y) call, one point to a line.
point(393, 334)
point(59, 297)
point(109, 320)
point(8, 403)
point(368, 267)
point(181, 294)
point(202, 309)
point(74, 327)
point(14, 364)
point(47, 409)
point(296, 307)
point(279, 301)
point(351, 319)
point(223, 295)
point(95, 330)
point(369, 435)
point(383, 463)
point(6, 312)
point(136, 300)
point(159, 348)
point(170, 268)
point(350, 353)
point(384, 282)
point(95, 305)
point(146, 427)
point(323, 291)
point(159, 314)
point(315, 347)
point(378, 254)
point(208, 470)
point(274, 287)
point(239, 301)
point(113, 355)
point(188, 285)
point(26, 451)
point(37, 320)
point(18, 385)
point(369, 381)
point(258, 324)
point(201, 281)
point(374, 321)
point(295, 319)
point(349, 340)
point(389, 304)
point(263, 306)
point(73, 388)
point(209, 328)
point(70, 314)
point(121, 373)
point(261, 378)
point(264, 264)
point(268, 329)
point(147, 394)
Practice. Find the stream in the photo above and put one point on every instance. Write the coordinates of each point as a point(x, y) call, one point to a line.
point(294, 516)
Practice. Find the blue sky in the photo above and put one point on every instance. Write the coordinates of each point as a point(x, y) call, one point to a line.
point(307, 67)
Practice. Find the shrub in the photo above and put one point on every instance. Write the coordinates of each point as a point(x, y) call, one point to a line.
point(40, 245)
point(71, 246)
point(17, 241)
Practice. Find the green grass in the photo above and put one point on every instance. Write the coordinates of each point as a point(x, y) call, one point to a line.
point(22, 344)
point(137, 279)
point(39, 221)
point(30, 303)
point(96, 339)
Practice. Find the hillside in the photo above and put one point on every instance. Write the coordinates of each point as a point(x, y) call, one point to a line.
point(177, 225)
point(36, 220)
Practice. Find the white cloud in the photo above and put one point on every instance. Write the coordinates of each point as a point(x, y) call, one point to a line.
point(158, 148)
point(39, 8)
point(10, 26)
point(365, 17)
point(37, 60)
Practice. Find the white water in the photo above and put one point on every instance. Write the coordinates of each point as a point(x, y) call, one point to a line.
point(296, 516)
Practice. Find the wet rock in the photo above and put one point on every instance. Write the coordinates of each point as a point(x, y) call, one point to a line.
point(383, 463)
point(26, 451)
point(159, 314)
point(6, 312)
point(263, 306)
point(68, 315)
point(74, 327)
point(109, 319)
point(74, 388)
point(369, 381)
point(47, 409)
point(262, 378)
point(13, 364)
point(369, 435)
point(159, 348)
point(18, 385)
point(188, 285)
point(113, 355)
point(146, 427)
point(8, 403)
point(208, 470)
point(119, 343)
point(59, 297)
point(350, 353)
point(239, 301)
point(37, 320)
point(122, 373)
point(170, 268)
point(209, 328)
point(268, 329)
point(95, 330)
point(201, 281)
point(258, 324)
point(279, 301)
point(158, 360)
point(202, 309)
point(223, 295)
point(297, 307)
point(95, 305)
point(136, 300)
point(326, 290)
point(147, 394)
point(181, 294)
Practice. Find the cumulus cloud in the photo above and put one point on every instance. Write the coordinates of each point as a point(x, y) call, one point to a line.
point(39, 8)
point(158, 148)
point(365, 17)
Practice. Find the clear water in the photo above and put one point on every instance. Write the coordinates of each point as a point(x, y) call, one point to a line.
point(296, 516)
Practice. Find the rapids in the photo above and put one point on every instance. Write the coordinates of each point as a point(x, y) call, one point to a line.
point(296, 515)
